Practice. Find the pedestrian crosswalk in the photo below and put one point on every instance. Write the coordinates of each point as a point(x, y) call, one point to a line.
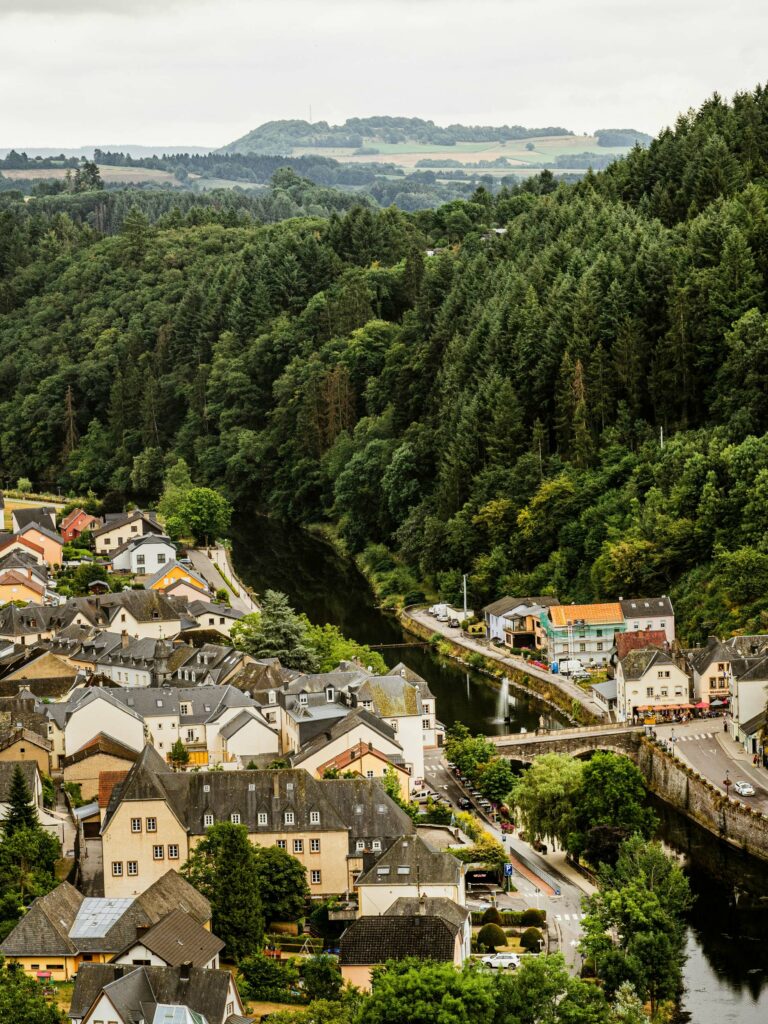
point(570, 917)
point(695, 736)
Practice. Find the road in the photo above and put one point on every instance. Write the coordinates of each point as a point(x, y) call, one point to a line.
point(564, 912)
point(208, 567)
point(572, 690)
point(706, 747)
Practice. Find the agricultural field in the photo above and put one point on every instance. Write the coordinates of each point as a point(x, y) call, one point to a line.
point(112, 175)
point(407, 154)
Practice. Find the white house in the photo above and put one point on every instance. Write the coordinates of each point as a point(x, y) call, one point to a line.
point(648, 682)
point(649, 613)
point(144, 555)
point(120, 529)
point(409, 869)
point(91, 711)
point(245, 733)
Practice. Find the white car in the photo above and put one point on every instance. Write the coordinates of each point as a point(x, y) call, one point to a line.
point(505, 961)
point(744, 788)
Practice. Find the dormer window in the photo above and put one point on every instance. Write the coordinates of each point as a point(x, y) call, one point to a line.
point(235, 818)
point(184, 709)
point(270, 697)
point(159, 703)
point(314, 817)
point(302, 698)
point(329, 694)
point(289, 818)
point(262, 818)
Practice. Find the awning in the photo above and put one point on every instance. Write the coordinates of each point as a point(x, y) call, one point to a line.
point(664, 707)
point(702, 704)
point(717, 703)
point(43, 974)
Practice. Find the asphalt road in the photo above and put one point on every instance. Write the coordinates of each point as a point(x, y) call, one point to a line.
point(564, 912)
point(709, 749)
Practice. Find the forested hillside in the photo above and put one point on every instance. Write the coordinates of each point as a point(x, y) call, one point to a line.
point(495, 407)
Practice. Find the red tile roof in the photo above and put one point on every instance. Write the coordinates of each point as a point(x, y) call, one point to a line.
point(637, 639)
point(107, 782)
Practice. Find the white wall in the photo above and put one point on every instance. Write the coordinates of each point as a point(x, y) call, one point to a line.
point(156, 554)
point(102, 1011)
point(409, 735)
point(253, 738)
point(362, 734)
point(125, 675)
point(656, 622)
point(100, 716)
point(140, 952)
point(377, 899)
point(164, 629)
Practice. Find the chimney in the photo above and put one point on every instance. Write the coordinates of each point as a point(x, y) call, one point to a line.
point(184, 970)
point(275, 786)
point(124, 639)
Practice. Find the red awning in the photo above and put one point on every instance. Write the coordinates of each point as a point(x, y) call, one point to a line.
point(43, 974)
point(702, 704)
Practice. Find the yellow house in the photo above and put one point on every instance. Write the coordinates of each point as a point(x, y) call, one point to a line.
point(25, 745)
point(101, 754)
point(65, 929)
point(364, 760)
point(157, 817)
point(175, 573)
point(16, 585)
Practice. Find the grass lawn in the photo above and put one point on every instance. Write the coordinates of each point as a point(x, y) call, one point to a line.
point(63, 997)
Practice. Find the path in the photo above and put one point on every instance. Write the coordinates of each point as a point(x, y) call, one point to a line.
point(209, 568)
point(570, 689)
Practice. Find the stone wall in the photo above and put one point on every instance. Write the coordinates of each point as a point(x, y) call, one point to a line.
point(690, 793)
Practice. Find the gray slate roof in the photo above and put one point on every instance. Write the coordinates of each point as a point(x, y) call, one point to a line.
point(204, 991)
point(637, 607)
point(411, 860)
point(508, 604)
point(354, 720)
point(374, 940)
point(43, 515)
point(435, 906)
point(635, 664)
point(179, 939)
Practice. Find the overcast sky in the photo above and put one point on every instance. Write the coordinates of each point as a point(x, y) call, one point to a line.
point(198, 72)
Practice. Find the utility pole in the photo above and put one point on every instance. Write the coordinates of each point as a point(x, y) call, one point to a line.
point(661, 437)
point(464, 579)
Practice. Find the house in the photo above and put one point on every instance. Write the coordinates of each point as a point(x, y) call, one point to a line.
point(733, 674)
point(119, 530)
point(209, 615)
point(41, 664)
point(410, 868)
point(76, 523)
point(21, 544)
point(367, 762)
point(20, 744)
point(635, 640)
point(605, 695)
point(650, 684)
point(175, 573)
point(358, 728)
point(157, 816)
point(64, 930)
point(246, 734)
point(42, 515)
point(494, 613)
point(522, 627)
point(93, 711)
point(143, 555)
point(649, 613)
point(140, 613)
point(47, 539)
point(27, 563)
point(16, 585)
point(102, 754)
point(117, 994)
point(29, 625)
point(31, 777)
point(582, 632)
point(142, 662)
point(431, 931)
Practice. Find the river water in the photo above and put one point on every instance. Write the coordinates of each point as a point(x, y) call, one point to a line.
point(727, 967)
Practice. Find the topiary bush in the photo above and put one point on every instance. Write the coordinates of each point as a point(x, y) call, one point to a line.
point(492, 916)
point(530, 940)
point(534, 917)
point(490, 937)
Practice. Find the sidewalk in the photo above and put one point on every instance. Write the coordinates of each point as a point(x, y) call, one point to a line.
point(570, 689)
point(211, 569)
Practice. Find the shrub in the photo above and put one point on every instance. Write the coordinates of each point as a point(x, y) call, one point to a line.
point(530, 939)
point(476, 661)
point(491, 916)
point(266, 978)
point(24, 484)
point(533, 917)
point(490, 936)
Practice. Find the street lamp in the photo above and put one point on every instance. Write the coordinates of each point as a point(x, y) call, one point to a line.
point(727, 782)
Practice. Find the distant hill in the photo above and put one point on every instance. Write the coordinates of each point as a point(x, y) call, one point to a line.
point(622, 137)
point(356, 132)
point(87, 151)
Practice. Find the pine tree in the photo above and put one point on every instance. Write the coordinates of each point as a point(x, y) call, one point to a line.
point(21, 812)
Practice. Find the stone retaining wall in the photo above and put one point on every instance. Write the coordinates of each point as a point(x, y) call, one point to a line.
point(688, 792)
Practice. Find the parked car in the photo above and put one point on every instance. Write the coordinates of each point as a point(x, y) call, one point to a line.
point(464, 804)
point(744, 788)
point(454, 623)
point(504, 961)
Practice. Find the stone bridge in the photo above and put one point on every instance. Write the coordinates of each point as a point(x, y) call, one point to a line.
point(620, 739)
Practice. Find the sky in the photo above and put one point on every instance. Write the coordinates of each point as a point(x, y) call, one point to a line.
point(197, 72)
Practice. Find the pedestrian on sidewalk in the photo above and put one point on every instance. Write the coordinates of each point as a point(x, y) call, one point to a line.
point(725, 725)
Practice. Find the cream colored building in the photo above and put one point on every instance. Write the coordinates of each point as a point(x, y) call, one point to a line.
point(650, 684)
point(410, 868)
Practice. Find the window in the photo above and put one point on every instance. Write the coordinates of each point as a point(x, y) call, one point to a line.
point(54, 967)
point(221, 620)
point(315, 877)
point(207, 820)
point(382, 871)
point(582, 648)
point(426, 723)
point(314, 817)
point(302, 698)
point(598, 632)
point(151, 824)
point(173, 851)
point(235, 818)
point(664, 691)
point(184, 709)
point(663, 624)
point(206, 788)
point(298, 846)
point(135, 824)
point(394, 725)
point(161, 558)
point(376, 845)
point(360, 845)
point(190, 735)
point(314, 846)
point(158, 852)
point(649, 691)
point(289, 817)
point(262, 818)
point(329, 694)
point(133, 867)
point(403, 870)
point(140, 560)
point(599, 647)
point(117, 868)
point(280, 844)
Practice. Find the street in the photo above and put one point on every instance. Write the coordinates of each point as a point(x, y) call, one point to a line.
point(564, 912)
point(708, 749)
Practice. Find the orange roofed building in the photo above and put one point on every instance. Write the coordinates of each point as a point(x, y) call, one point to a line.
point(367, 762)
point(584, 632)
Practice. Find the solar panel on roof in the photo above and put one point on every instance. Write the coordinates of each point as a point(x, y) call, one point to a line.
point(97, 915)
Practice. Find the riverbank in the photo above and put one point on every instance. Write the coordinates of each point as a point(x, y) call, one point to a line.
point(554, 690)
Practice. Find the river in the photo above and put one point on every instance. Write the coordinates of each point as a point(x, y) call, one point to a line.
point(727, 967)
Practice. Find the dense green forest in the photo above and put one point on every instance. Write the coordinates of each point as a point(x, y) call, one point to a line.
point(577, 405)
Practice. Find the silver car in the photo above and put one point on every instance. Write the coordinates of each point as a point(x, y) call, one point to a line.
point(744, 788)
point(505, 961)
